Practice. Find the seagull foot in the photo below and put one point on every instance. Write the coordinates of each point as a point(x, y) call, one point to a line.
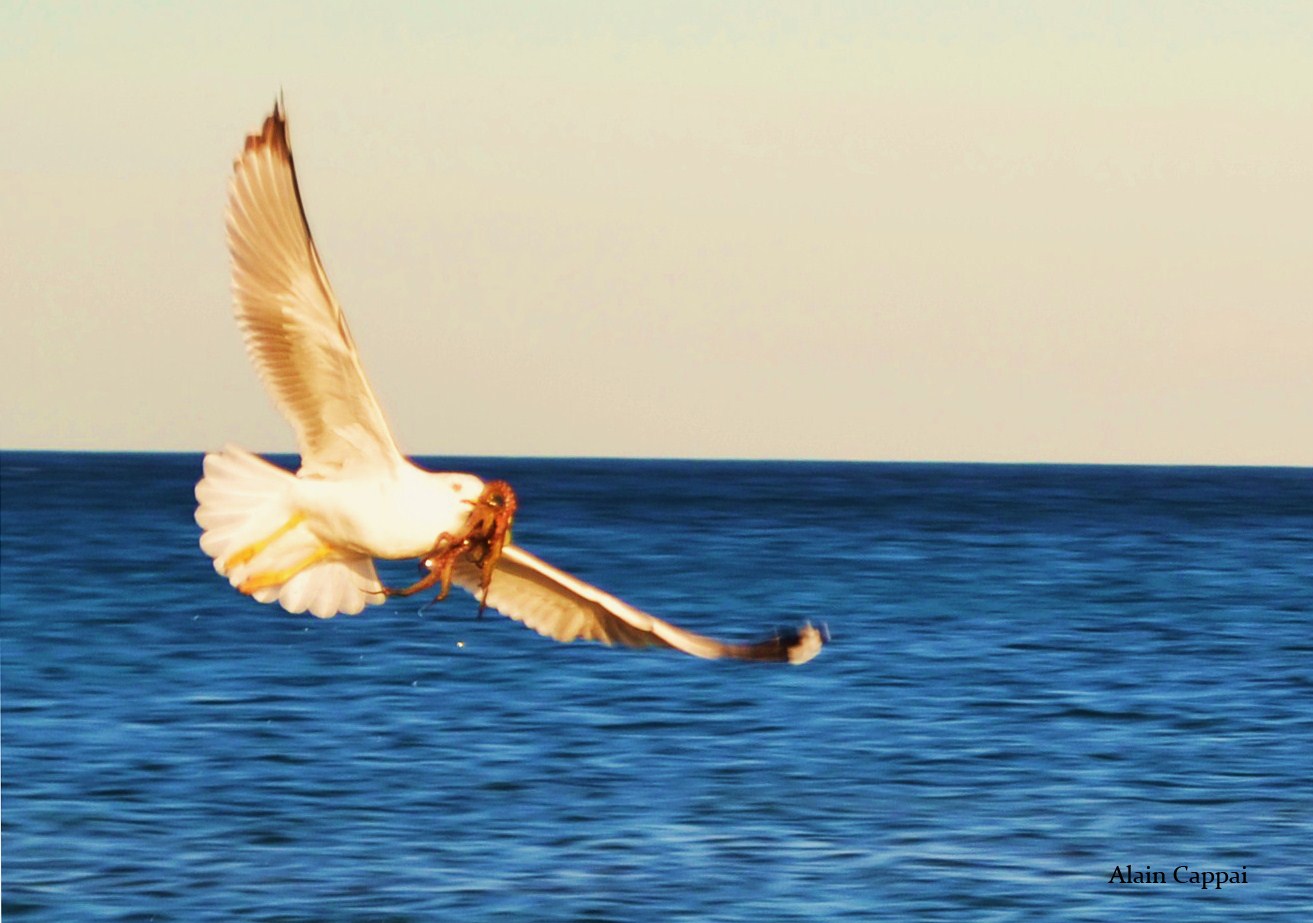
point(241, 557)
point(277, 577)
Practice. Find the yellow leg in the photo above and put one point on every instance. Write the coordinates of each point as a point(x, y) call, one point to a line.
point(250, 551)
point(273, 578)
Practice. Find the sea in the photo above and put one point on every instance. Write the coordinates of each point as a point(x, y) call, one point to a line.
point(1046, 687)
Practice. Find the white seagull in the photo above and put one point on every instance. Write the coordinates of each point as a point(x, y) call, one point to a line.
point(308, 540)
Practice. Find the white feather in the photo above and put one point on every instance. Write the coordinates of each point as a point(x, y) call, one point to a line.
point(244, 499)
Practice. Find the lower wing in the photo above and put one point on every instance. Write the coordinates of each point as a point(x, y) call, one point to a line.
point(560, 606)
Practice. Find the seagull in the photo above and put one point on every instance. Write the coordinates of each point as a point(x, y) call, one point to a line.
point(309, 540)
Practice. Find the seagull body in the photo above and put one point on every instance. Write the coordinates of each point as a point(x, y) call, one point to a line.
point(386, 514)
point(308, 540)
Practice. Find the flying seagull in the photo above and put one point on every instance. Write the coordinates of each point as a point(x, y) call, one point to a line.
point(309, 539)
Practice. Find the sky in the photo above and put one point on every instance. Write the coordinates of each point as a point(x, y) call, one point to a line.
point(1038, 232)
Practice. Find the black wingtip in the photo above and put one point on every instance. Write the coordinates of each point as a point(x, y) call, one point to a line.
point(789, 645)
point(802, 644)
point(273, 133)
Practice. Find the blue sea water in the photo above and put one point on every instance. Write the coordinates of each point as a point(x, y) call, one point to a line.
point(1037, 674)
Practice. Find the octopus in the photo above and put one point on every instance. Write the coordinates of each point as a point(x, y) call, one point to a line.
point(479, 541)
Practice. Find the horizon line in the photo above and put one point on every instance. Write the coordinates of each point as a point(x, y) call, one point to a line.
point(716, 459)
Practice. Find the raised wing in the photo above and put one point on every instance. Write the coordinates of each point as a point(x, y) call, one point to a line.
point(560, 606)
point(295, 332)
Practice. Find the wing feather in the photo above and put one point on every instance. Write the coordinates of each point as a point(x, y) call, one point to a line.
point(563, 607)
point(294, 329)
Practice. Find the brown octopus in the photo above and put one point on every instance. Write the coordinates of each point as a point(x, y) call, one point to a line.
point(479, 541)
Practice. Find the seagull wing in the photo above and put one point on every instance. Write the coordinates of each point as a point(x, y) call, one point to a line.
point(560, 606)
point(295, 332)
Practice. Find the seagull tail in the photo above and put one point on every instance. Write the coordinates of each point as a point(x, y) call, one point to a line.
point(252, 531)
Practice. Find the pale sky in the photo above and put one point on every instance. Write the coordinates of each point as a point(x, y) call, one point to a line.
point(876, 231)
